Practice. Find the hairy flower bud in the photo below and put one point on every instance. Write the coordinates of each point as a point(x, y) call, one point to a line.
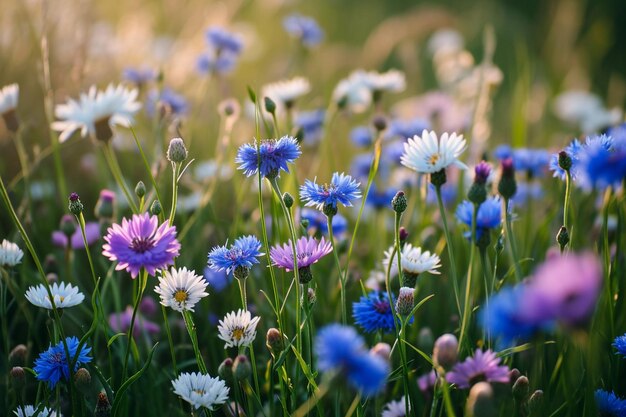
point(156, 208)
point(521, 388)
point(18, 354)
point(399, 202)
point(562, 237)
point(82, 380)
point(288, 200)
point(75, 206)
point(507, 187)
point(176, 151)
point(565, 161)
point(406, 300)
point(18, 377)
point(380, 123)
point(445, 352)
point(274, 341)
point(140, 189)
point(225, 370)
point(270, 106)
point(242, 368)
point(103, 406)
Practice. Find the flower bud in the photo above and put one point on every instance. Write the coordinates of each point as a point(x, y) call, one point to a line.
point(225, 370)
point(103, 131)
point(445, 351)
point(480, 402)
point(156, 208)
point(381, 349)
point(404, 234)
point(68, 225)
point(305, 275)
point(438, 178)
point(274, 341)
point(270, 106)
point(241, 272)
point(409, 279)
point(329, 209)
point(75, 206)
point(52, 278)
point(399, 202)
point(228, 107)
point(105, 206)
point(482, 171)
point(562, 237)
point(176, 151)
point(242, 368)
point(18, 354)
point(82, 380)
point(565, 161)
point(534, 402)
point(18, 377)
point(103, 406)
point(521, 388)
point(50, 264)
point(507, 187)
point(406, 300)
point(140, 189)
point(380, 123)
point(513, 375)
point(288, 199)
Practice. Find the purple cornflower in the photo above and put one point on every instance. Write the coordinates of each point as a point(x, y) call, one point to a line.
point(620, 344)
point(426, 382)
point(210, 62)
point(239, 258)
point(483, 366)
point(174, 103)
point(92, 233)
point(268, 157)
point(304, 28)
point(342, 348)
point(533, 161)
point(141, 243)
point(373, 312)
point(482, 171)
point(223, 40)
point(564, 288)
point(120, 323)
point(308, 251)
point(342, 189)
point(53, 364)
point(319, 223)
point(139, 76)
point(223, 50)
point(311, 123)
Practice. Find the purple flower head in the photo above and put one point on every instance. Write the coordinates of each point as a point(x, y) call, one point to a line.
point(308, 251)
point(602, 163)
point(53, 364)
point(268, 157)
point(209, 62)
point(319, 223)
point(362, 136)
point(243, 253)
point(304, 28)
point(175, 103)
point(139, 76)
point(508, 169)
point(141, 243)
point(426, 382)
point(311, 123)
point(342, 348)
point(107, 196)
point(120, 322)
point(483, 366)
point(564, 288)
point(222, 40)
point(403, 129)
point(92, 233)
point(342, 189)
point(373, 312)
point(482, 171)
point(218, 280)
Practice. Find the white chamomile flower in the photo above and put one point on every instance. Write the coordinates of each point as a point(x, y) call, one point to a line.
point(64, 295)
point(428, 154)
point(201, 390)
point(29, 411)
point(8, 98)
point(238, 329)
point(353, 92)
point(97, 112)
point(10, 253)
point(414, 261)
point(285, 93)
point(181, 289)
point(395, 408)
point(393, 81)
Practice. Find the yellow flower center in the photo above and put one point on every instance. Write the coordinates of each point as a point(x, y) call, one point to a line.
point(433, 159)
point(238, 333)
point(181, 296)
point(199, 391)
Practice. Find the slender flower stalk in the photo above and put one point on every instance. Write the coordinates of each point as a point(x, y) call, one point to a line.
point(143, 281)
point(468, 284)
point(453, 271)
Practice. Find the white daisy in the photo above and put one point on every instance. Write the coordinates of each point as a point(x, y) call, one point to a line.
point(8, 98)
point(354, 92)
point(97, 112)
point(65, 295)
point(201, 390)
point(181, 289)
point(285, 93)
point(10, 253)
point(238, 329)
point(392, 81)
point(414, 261)
point(395, 408)
point(29, 411)
point(427, 154)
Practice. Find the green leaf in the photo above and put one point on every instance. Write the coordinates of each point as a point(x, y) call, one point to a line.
point(120, 394)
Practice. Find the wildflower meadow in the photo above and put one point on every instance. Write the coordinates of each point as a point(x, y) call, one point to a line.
point(284, 208)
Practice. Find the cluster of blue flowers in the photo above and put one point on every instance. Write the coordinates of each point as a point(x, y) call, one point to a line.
point(223, 50)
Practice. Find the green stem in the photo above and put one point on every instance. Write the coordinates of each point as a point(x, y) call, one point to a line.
point(111, 160)
point(511, 240)
point(468, 284)
point(143, 280)
point(484, 263)
point(455, 277)
point(566, 203)
point(191, 329)
point(169, 339)
point(342, 282)
point(147, 165)
point(175, 173)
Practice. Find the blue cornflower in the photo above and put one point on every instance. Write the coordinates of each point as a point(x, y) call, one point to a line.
point(602, 162)
point(175, 103)
point(373, 312)
point(609, 404)
point(489, 215)
point(342, 189)
point(211, 62)
point(448, 194)
point(393, 151)
point(304, 28)
point(311, 123)
point(533, 161)
point(222, 40)
point(54, 364)
point(342, 348)
point(503, 319)
point(404, 129)
point(362, 136)
point(240, 257)
point(620, 344)
point(268, 157)
point(218, 280)
point(380, 199)
point(318, 222)
point(572, 150)
point(139, 76)
point(527, 191)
